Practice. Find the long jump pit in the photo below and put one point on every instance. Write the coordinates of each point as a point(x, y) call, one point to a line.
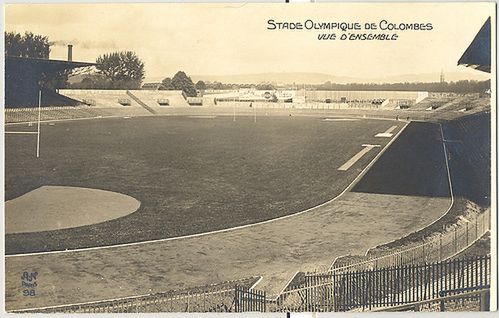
point(59, 207)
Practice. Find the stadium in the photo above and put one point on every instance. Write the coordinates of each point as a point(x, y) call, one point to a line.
point(139, 200)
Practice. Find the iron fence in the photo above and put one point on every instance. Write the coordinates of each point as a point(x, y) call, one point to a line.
point(384, 287)
point(477, 300)
point(210, 298)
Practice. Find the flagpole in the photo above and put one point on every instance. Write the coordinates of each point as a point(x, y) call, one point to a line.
point(39, 117)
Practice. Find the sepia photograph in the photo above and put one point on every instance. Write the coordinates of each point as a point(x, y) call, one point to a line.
point(250, 157)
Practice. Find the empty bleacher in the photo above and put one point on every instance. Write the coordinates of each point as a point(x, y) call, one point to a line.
point(459, 103)
point(431, 103)
point(16, 115)
point(153, 99)
point(345, 96)
point(442, 104)
point(99, 98)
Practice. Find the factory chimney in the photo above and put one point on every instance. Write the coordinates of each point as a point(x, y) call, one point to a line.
point(70, 52)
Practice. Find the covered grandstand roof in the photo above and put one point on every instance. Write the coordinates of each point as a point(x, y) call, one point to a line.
point(45, 64)
point(23, 77)
point(477, 55)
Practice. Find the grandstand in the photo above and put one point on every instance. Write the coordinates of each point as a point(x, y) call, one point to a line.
point(366, 99)
point(312, 99)
point(17, 115)
point(100, 98)
point(153, 99)
point(90, 103)
point(214, 97)
point(159, 99)
point(431, 103)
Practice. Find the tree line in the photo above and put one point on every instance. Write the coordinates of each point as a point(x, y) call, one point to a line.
point(462, 87)
point(182, 82)
point(26, 45)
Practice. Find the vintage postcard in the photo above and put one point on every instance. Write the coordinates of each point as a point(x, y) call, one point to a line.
point(232, 157)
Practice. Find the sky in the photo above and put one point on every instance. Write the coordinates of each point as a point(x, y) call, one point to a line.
point(221, 39)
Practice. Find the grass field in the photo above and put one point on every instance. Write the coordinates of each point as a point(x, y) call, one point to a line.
point(191, 175)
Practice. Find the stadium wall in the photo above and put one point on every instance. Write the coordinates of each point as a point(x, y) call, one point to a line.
point(364, 95)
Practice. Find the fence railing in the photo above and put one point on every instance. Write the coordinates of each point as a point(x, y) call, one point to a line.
point(436, 248)
point(384, 287)
point(246, 299)
point(211, 298)
point(478, 300)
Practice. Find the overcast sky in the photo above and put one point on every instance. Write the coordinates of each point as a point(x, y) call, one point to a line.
point(233, 38)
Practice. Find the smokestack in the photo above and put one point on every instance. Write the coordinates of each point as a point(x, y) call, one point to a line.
point(70, 52)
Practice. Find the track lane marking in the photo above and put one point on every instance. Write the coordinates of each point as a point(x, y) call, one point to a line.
point(356, 158)
point(22, 132)
point(389, 130)
point(387, 134)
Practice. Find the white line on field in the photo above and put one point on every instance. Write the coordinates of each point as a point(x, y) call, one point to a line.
point(341, 119)
point(387, 133)
point(22, 132)
point(256, 283)
point(356, 158)
point(285, 286)
point(389, 130)
point(222, 230)
point(447, 165)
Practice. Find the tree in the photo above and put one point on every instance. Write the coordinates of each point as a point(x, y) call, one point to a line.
point(55, 80)
point(200, 85)
point(265, 87)
point(123, 69)
point(13, 44)
point(32, 45)
point(27, 45)
point(92, 81)
point(183, 82)
point(166, 84)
